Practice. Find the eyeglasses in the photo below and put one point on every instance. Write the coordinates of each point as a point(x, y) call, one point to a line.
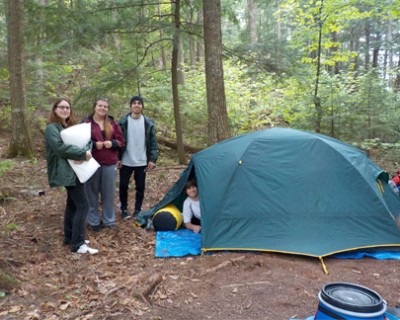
point(64, 107)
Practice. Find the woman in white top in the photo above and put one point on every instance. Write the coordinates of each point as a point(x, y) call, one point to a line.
point(191, 207)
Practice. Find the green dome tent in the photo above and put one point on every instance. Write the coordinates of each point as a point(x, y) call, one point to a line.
point(289, 191)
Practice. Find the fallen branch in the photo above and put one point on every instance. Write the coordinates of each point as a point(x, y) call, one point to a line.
point(155, 280)
point(173, 145)
point(234, 285)
point(145, 300)
point(223, 265)
point(109, 293)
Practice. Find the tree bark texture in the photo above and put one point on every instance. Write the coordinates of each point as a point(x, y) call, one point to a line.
point(192, 41)
point(175, 82)
point(367, 44)
point(163, 58)
point(20, 143)
point(173, 145)
point(375, 51)
point(252, 22)
point(216, 103)
point(200, 42)
point(317, 100)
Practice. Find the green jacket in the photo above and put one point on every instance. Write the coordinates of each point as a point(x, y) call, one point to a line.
point(150, 138)
point(59, 171)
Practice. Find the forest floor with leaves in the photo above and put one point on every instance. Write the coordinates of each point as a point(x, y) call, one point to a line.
point(126, 281)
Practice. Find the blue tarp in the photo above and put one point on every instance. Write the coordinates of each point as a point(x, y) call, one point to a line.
point(185, 242)
point(178, 243)
point(376, 254)
point(388, 316)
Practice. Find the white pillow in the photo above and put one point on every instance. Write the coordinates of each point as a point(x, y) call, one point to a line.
point(79, 135)
point(85, 169)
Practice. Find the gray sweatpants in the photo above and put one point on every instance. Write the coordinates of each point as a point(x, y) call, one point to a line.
point(103, 183)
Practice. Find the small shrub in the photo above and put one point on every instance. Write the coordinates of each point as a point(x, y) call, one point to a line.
point(5, 166)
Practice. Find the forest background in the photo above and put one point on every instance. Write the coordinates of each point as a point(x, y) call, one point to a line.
point(208, 70)
point(325, 66)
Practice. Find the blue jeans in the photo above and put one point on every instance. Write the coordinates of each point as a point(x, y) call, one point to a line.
point(75, 214)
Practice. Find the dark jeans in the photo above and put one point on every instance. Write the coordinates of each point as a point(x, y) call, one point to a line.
point(140, 183)
point(75, 215)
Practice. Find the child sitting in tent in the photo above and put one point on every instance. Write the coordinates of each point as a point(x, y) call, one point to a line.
point(191, 207)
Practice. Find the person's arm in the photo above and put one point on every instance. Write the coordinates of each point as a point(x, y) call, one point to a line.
point(117, 140)
point(53, 138)
point(153, 145)
point(187, 217)
point(194, 227)
point(122, 125)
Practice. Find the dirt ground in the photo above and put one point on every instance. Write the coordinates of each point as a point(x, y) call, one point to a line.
point(126, 281)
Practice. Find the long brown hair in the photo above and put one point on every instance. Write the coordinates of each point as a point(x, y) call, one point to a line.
point(53, 118)
point(108, 129)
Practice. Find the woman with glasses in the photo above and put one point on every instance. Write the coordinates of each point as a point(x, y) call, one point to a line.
point(60, 174)
point(107, 139)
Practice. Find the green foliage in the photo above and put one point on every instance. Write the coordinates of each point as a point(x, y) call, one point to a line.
point(5, 115)
point(308, 19)
point(11, 227)
point(5, 166)
point(86, 49)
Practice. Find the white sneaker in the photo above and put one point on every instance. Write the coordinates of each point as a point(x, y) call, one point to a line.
point(85, 249)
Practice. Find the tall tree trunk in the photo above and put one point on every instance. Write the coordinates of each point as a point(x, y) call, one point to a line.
point(200, 46)
point(181, 74)
point(216, 103)
point(278, 33)
point(367, 44)
point(375, 52)
point(163, 59)
point(396, 84)
point(39, 58)
point(356, 48)
point(389, 47)
point(334, 49)
point(252, 21)
point(116, 38)
point(192, 51)
point(175, 82)
point(317, 99)
point(21, 143)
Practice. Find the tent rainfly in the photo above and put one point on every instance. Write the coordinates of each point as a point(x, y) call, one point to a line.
point(289, 191)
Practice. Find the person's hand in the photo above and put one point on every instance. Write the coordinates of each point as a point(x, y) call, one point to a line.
point(196, 228)
point(150, 166)
point(99, 145)
point(107, 144)
point(88, 155)
point(119, 165)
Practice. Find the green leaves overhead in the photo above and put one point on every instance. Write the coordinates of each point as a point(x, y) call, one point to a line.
point(116, 48)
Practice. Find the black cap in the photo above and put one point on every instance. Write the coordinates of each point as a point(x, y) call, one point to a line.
point(136, 98)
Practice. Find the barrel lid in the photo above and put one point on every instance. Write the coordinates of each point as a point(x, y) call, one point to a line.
point(352, 297)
